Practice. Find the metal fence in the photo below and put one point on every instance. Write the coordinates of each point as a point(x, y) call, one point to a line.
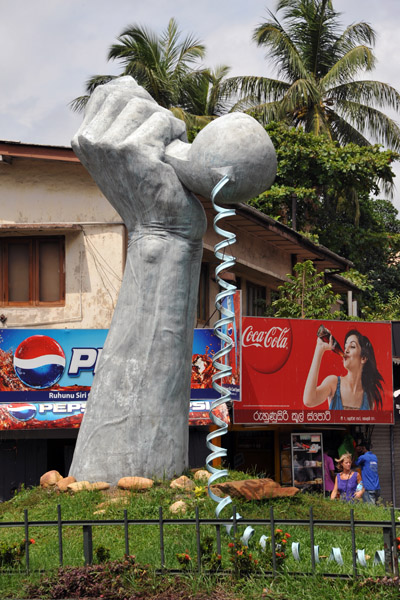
point(387, 556)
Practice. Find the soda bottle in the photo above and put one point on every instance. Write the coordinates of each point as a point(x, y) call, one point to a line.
point(325, 334)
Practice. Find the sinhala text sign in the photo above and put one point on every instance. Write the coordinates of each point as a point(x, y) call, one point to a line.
point(290, 375)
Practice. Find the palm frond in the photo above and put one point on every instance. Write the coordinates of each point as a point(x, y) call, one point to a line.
point(344, 132)
point(302, 93)
point(94, 82)
point(347, 67)
point(354, 35)
point(191, 120)
point(367, 92)
point(261, 88)
point(368, 119)
point(79, 104)
point(280, 49)
point(264, 113)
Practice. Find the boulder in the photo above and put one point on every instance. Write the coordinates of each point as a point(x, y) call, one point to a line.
point(178, 507)
point(183, 483)
point(50, 479)
point(100, 485)
point(253, 489)
point(78, 486)
point(202, 475)
point(63, 483)
point(135, 483)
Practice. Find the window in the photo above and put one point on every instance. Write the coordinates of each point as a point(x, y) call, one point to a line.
point(202, 299)
point(256, 300)
point(32, 271)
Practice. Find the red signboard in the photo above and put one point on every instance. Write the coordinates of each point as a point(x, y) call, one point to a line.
point(292, 375)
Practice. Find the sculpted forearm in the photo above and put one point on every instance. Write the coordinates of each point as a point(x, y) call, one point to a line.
point(136, 397)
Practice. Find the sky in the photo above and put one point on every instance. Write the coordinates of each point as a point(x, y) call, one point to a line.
point(51, 47)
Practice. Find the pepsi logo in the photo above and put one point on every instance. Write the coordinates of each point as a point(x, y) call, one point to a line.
point(39, 361)
point(22, 411)
point(266, 343)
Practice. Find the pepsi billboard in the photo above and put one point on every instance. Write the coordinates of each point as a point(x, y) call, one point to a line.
point(46, 376)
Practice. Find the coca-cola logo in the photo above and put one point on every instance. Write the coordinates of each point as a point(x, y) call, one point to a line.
point(266, 343)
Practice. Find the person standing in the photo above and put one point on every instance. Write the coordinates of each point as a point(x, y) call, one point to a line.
point(369, 473)
point(329, 474)
point(348, 482)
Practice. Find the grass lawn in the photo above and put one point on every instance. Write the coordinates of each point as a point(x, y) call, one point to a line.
point(232, 579)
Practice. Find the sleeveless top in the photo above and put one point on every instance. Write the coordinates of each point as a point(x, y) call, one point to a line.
point(336, 401)
point(347, 487)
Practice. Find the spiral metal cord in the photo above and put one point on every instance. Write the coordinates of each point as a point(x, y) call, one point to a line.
point(227, 317)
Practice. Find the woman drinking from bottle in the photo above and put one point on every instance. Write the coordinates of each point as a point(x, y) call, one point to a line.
point(361, 387)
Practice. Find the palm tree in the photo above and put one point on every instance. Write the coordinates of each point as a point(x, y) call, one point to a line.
point(168, 69)
point(319, 86)
point(204, 99)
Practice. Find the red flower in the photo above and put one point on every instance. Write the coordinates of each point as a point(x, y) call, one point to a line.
point(278, 530)
point(287, 535)
point(32, 541)
point(239, 552)
point(231, 545)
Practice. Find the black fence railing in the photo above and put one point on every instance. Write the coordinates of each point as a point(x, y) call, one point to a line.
point(387, 556)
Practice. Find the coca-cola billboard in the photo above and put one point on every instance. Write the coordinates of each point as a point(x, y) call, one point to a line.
point(315, 372)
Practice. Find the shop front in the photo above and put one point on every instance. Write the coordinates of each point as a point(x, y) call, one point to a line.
point(309, 387)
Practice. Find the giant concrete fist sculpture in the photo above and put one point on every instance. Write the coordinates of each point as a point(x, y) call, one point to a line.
point(136, 421)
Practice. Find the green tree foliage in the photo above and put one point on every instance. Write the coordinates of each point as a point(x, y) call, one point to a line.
point(334, 189)
point(305, 295)
point(383, 311)
point(319, 66)
point(325, 179)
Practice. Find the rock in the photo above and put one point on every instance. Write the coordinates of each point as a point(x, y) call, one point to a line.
point(202, 475)
point(178, 507)
point(78, 486)
point(50, 479)
point(253, 489)
point(63, 483)
point(135, 483)
point(99, 485)
point(183, 483)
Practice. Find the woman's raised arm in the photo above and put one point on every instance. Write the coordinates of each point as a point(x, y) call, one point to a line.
point(315, 394)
